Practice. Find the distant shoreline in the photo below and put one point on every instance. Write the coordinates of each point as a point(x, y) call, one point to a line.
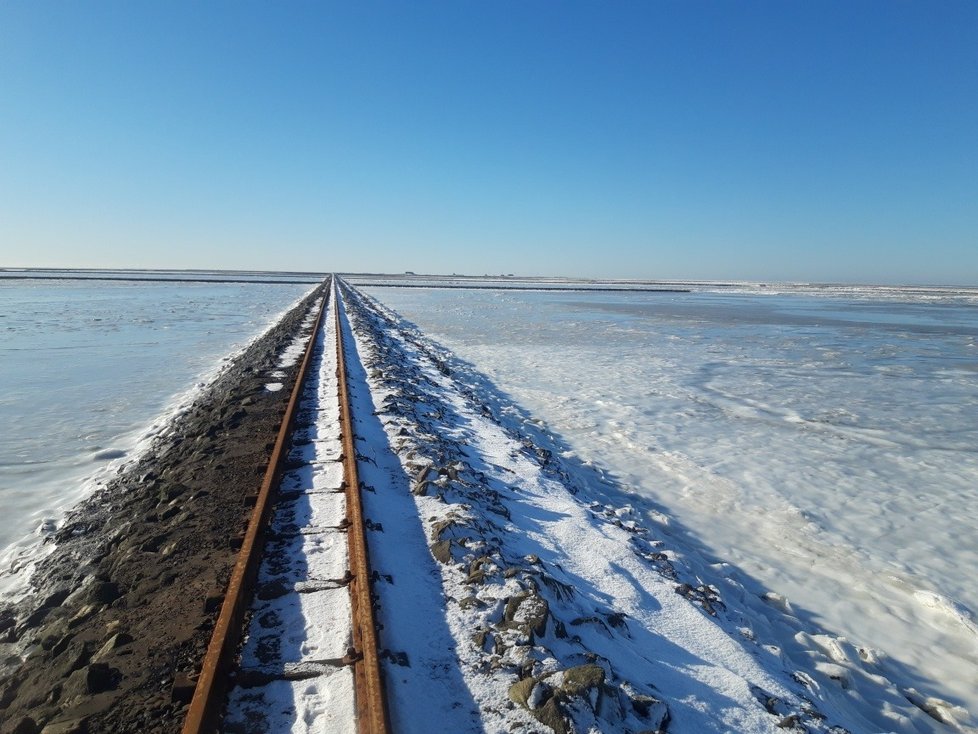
point(157, 279)
point(428, 280)
point(269, 281)
point(473, 287)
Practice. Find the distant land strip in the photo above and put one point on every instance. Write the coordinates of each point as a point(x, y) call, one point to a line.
point(156, 279)
point(575, 288)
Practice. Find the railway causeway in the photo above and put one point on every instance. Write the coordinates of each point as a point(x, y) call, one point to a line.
point(350, 530)
point(305, 548)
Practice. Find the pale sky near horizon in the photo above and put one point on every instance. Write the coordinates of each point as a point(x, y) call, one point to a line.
point(817, 141)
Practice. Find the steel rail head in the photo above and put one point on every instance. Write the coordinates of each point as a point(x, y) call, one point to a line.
point(208, 698)
point(373, 716)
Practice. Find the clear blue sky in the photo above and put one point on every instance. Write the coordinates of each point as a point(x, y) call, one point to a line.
point(755, 140)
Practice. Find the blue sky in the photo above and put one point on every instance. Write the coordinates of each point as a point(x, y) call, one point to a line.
point(752, 140)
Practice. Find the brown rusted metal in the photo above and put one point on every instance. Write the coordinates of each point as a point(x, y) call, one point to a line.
point(208, 699)
point(372, 713)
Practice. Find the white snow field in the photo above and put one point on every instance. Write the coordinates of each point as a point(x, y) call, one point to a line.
point(520, 589)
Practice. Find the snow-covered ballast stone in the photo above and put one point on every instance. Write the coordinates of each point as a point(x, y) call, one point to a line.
point(568, 611)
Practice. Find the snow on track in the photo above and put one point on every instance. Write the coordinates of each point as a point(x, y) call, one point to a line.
point(292, 677)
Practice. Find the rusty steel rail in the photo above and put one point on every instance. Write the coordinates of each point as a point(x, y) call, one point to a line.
point(371, 700)
point(209, 693)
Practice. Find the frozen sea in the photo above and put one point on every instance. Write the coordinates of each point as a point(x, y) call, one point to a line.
point(821, 439)
point(90, 369)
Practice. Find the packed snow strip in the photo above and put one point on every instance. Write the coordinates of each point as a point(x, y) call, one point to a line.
point(292, 677)
point(561, 608)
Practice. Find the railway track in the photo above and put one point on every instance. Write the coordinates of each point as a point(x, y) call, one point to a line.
point(296, 635)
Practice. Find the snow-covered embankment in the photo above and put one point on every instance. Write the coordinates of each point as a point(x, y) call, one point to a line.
point(512, 592)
